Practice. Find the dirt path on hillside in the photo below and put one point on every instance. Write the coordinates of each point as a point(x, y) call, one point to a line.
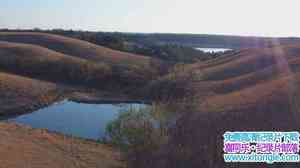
point(24, 147)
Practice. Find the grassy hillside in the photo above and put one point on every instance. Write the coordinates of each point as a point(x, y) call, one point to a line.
point(249, 60)
point(35, 58)
point(39, 69)
point(252, 90)
point(42, 63)
point(28, 93)
point(36, 148)
point(74, 47)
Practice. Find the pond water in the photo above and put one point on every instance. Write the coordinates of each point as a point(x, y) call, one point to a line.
point(77, 119)
point(213, 50)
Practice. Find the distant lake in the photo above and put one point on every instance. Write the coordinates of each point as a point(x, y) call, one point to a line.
point(76, 119)
point(213, 50)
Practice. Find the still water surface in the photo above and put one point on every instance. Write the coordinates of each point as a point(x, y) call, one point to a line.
point(213, 50)
point(76, 119)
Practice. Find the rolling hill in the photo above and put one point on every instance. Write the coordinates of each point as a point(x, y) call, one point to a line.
point(60, 59)
point(29, 93)
point(252, 90)
point(39, 69)
point(74, 47)
point(39, 62)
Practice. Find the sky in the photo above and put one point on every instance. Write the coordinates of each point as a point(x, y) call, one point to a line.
point(230, 17)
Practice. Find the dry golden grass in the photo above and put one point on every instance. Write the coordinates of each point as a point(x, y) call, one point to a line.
point(247, 77)
point(42, 63)
point(34, 148)
point(10, 50)
point(256, 94)
point(272, 105)
point(256, 90)
point(253, 89)
point(74, 47)
point(17, 92)
point(248, 61)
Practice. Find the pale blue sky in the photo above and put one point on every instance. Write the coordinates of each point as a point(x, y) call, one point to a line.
point(239, 17)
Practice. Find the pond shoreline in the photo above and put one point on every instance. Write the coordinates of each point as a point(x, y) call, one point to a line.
point(103, 98)
point(77, 96)
point(88, 121)
point(102, 101)
point(41, 102)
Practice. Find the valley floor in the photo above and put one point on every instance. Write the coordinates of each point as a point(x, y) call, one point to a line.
point(21, 146)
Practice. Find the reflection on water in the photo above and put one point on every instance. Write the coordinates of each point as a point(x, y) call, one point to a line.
point(76, 119)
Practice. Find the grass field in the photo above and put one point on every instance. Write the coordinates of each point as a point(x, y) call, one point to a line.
point(74, 47)
point(27, 147)
point(250, 89)
point(21, 94)
point(59, 59)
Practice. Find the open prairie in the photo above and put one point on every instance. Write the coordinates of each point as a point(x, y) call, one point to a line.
point(149, 84)
point(74, 47)
point(252, 90)
point(245, 90)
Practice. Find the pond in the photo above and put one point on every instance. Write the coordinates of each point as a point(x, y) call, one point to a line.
point(77, 119)
point(213, 50)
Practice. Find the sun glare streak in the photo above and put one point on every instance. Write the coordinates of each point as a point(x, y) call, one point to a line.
point(281, 61)
point(280, 57)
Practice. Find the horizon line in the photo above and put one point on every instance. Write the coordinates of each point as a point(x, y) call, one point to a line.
point(132, 32)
